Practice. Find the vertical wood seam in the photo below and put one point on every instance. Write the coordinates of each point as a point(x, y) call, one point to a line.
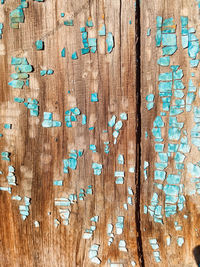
point(138, 134)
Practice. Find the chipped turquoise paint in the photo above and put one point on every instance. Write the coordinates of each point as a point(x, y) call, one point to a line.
point(39, 45)
point(110, 42)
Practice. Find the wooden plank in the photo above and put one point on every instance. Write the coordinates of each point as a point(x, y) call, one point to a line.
point(37, 153)
point(171, 255)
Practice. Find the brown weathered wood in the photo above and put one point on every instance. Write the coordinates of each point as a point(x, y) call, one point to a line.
point(170, 255)
point(37, 153)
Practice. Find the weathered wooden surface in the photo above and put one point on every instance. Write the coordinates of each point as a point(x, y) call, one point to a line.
point(37, 153)
point(172, 255)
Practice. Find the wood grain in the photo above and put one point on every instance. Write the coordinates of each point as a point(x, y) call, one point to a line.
point(37, 153)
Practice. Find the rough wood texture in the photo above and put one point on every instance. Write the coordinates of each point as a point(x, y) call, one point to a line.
point(172, 255)
point(123, 79)
point(37, 153)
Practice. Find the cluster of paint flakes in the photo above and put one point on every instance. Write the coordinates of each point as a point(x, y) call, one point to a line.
point(97, 168)
point(150, 101)
point(118, 125)
point(194, 171)
point(17, 15)
point(24, 209)
point(129, 198)
point(46, 72)
point(119, 177)
point(122, 246)
point(155, 247)
point(110, 233)
point(106, 148)
point(154, 209)
point(22, 68)
point(195, 132)
point(119, 225)
point(11, 175)
point(32, 105)
point(166, 35)
point(93, 254)
point(89, 44)
point(71, 116)
point(1, 30)
point(89, 232)
point(48, 121)
point(71, 162)
point(64, 207)
point(189, 40)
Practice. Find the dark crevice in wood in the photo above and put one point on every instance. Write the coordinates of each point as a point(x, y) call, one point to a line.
point(138, 135)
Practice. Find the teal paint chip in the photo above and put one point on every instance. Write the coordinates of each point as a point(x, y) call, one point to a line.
point(62, 15)
point(82, 29)
point(84, 119)
point(112, 121)
point(102, 31)
point(169, 50)
point(69, 22)
point(39, 45)
point(180, 241)
point(19, 99)
point(17, 84)
point(150, 98)
point(184, 21)
point(158, 37)
point(74, 56)
point(63, 52)
point(92, 42)
point(84, 35)
point(159, 20)
point(148, 31)
point(120, 159)
point(171, 190)
point(193, 49)
point(23, 68)
point(163, 61)
point(94, 97)
point(8, 126)
point(57, 123)
point(173, 179)
point(58, 183)
point(48, 116)
point(47, 123)
point(157, 132)
point(110, 42)
point(174, 134)
point(159, 175)
point(43, 72)
point(194, 63)
point(85, 51)
point(89, 23)
point(118, 125)
point(50, 72)
point(123, 116)
point(158, 122)
point(150, 105)
point(159, 147)
point(169, 39)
